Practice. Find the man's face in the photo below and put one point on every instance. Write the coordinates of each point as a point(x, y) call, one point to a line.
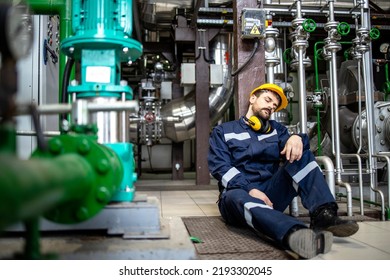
point(264, 105)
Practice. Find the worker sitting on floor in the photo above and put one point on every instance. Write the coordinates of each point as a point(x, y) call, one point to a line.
point(260, 168)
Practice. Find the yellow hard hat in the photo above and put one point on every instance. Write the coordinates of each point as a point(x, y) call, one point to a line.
point(278, 90)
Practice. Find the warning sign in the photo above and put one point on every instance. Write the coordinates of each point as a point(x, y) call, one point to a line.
point(255, 30)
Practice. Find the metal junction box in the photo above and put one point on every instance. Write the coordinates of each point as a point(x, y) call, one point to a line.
point(253, 23)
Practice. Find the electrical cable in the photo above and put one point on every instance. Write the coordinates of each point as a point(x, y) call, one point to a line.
point(255, 47)
point(65, 83)
point(209, 61)
point(41, 142)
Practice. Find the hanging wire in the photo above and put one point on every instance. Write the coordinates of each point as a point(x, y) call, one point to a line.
point(255, 47)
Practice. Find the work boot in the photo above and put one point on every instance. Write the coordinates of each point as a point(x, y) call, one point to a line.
point(308, 243)
point(325, 218)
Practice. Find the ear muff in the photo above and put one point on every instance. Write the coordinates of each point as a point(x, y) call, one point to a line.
point(257, 124)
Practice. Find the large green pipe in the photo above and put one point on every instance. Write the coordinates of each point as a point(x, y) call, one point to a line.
point(31, 187)
point(63, 8)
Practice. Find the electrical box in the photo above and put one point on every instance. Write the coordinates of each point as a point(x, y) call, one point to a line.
point(188, 74)
point(166, 90)
point(216, 74)
point(253, 23)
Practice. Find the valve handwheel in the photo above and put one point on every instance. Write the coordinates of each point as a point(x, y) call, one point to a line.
point(309, 25)
point(343, 28)
point(375, 33)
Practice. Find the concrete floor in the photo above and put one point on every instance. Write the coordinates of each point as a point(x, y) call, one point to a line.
point(182, 199)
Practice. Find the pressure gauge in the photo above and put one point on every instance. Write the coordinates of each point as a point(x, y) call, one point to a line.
point(384, 48)
point(16, 30)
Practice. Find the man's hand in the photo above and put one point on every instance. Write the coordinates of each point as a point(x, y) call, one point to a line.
point(293, 148)
point(260, 195)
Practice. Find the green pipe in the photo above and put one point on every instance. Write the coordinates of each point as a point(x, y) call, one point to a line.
point(358, 199)
point(317, 79)
point(63, 8)
point(28, 188)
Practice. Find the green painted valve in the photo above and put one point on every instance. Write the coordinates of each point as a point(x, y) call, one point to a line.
point(319, 54)
point(375, 33)
point(287, 56)
point(343, 28)
point(106, 171)
point(309, 25)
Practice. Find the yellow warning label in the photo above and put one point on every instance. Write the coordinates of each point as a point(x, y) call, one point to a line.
point(255, 30)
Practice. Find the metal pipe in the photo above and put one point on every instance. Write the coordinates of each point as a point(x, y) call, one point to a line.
point(328, 171)
point(360, 173)
point(387, 158)
point(368, 87)
point(302, 92)
point(348, 188)
point(331, 47)
point(219, 99)
point(54, 109)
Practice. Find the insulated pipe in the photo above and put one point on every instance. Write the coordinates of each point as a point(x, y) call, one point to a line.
point(219, 99)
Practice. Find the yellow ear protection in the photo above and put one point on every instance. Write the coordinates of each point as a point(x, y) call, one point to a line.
point(257, 124)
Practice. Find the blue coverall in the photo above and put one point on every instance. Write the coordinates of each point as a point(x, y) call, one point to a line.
point(242, 159)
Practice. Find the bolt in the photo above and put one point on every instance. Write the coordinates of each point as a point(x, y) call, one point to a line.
point(84, 147)
point(55, 146)
point(82, 214)
point(103, 195)
point(102, 166)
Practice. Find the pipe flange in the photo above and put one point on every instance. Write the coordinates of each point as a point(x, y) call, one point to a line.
point(271, 32)
point(381, 127)
point(297, 22)
point(331, 25)
point(300, 44)
point(106, 169)
point(272, 60)
point(363, 31)
point(306, 63)
point(332, 47)
point(362, 48)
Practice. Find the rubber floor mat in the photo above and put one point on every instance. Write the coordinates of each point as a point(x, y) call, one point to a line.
point(219, 241)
